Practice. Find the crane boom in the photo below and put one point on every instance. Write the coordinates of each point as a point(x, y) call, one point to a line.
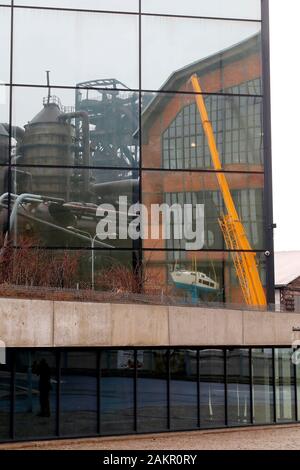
point(232, 228)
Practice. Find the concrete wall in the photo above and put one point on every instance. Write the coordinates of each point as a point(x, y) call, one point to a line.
point(42, 323)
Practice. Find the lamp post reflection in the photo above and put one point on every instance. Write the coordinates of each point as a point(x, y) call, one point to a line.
point(92, 239)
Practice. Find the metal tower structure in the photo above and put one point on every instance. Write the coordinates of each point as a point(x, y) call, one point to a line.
point(113, 116)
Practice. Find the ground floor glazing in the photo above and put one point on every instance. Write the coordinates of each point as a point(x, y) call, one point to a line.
point(48, 393)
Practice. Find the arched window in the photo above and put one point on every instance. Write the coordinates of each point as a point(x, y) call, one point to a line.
point(237, 124)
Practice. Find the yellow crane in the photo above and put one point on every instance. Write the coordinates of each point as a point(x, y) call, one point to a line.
point(232, 228)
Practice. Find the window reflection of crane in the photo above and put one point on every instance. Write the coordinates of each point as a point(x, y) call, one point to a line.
point(232, 228)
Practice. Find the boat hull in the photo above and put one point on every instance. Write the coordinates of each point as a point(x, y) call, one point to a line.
point(193, 287)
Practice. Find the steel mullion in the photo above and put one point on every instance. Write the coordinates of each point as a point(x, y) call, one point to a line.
point(274, 387)
point(136, 13)
point(99, 392)
point(168, 370)
point(58, 392)
point(267, 141)
point(225, 386)
point(198, 390)
point(251, 387)
point(12, 420)
point(135, 379)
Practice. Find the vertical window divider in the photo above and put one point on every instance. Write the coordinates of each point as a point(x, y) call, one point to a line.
point(140, 166)
point(198, 390)
point(225, 386)
point(58, 391)
point(274, 386)
point(135, 378)
point(251, 387)
point(168, 390)
point(13, 396)
point(267, 142)
point(9, 179)
point(99, 392)
point(295, 390)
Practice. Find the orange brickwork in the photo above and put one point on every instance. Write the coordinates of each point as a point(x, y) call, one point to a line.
point(156, 183)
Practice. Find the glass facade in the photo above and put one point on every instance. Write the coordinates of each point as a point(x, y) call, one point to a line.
point(212, 388)
point(238, 387)
point(184, 384)
point(98, 110)
point(285, 385)
point(35, 393)
point(263, 386)
point(48, 393)
point(116, 385)
point(78, 391)
point(152, 391)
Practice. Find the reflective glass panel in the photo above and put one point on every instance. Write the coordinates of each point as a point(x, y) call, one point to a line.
point(152, 391)
point(5, 392)
point(4, 139)
point(105, 5)
point(201, 195)
point(78, 393)
point(263, 392)
point(35, 395)
point(173, 134)
point(183, 389)
point(285, 385)
point(5, 18)
point(238, 387)
point(72, 208)
point(216, 8)
point(76, 47)
point(64, 273)
point(89, 127)
point(212, 389)
point(116, 391)
point(163, 275)
point(175, 48)
point(171, 274)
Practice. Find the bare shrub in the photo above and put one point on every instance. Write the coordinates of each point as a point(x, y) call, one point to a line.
point(121, 278)
point(30, 266)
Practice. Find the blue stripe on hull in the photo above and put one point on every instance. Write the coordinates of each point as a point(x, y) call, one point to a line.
point(193, 287)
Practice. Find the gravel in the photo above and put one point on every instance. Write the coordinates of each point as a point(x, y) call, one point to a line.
point(263, 438)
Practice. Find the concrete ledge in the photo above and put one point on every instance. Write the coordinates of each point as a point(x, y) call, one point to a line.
point(193, 326)
point(81, 324)
point(138, 325)
point(26, 322)
point(42, 323)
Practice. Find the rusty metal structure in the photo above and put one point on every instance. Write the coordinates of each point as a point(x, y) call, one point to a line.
point(113, 116)
point(47, 142)
point(62, 153)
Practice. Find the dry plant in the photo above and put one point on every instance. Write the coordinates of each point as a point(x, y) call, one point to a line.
point(120, 278)
point(30, 266)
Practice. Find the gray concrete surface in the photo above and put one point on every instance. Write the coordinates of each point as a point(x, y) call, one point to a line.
point(45, 323)
point(262, 438)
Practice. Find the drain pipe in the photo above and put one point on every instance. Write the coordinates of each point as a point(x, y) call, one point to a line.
point(86, 140)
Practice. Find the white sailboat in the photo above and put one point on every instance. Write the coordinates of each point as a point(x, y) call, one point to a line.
point(193, 280)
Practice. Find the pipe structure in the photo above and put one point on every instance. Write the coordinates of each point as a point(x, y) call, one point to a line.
point(66, 230)
point(115, 187)
point(57, 227)
point(86, 140)
point(29, 198)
